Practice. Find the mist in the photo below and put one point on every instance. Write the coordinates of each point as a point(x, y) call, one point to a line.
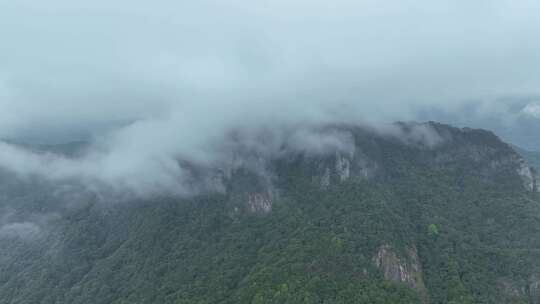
point(151, 84)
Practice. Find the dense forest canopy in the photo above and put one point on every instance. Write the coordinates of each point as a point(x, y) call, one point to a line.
point(396, 220)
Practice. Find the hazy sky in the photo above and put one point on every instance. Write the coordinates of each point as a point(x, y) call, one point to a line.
point(185, 71)
point(82, 64)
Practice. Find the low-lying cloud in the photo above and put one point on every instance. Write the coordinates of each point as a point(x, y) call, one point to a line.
point(23, 230)
point(119, 163)
point(29, 228)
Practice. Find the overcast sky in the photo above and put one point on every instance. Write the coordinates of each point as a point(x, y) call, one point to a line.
point(181, 72)
point(82, 64)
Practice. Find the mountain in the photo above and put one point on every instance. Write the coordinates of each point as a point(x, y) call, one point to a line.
point(533, 157)
point(417, 213)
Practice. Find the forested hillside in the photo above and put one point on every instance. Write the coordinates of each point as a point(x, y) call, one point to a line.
point(431, 214)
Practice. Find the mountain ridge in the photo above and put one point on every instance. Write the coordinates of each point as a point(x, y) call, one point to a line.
point(417, 213)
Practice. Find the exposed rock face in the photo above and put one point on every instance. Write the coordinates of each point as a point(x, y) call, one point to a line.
point(534, 289)
point(511, 292)
point(529, 177)
point(249, 185)
point(520, 292)
point(260, 202)
point(365, 167)
point(405, 270)
point(343, 167)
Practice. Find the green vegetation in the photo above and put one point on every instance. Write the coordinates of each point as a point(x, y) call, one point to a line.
point(433, 230)
point(477, 235)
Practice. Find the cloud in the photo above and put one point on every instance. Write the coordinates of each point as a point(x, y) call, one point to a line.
point(23, 230)
point(14, 227)
point(155, 83)
point(69, 63)
point(159, 162)
point(418, 134)
point(317, 142)
point(532, 109)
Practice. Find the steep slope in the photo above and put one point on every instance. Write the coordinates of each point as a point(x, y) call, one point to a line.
point(419, 213)
point(533, 157)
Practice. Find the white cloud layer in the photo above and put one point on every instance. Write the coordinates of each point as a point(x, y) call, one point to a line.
point(186, 73)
